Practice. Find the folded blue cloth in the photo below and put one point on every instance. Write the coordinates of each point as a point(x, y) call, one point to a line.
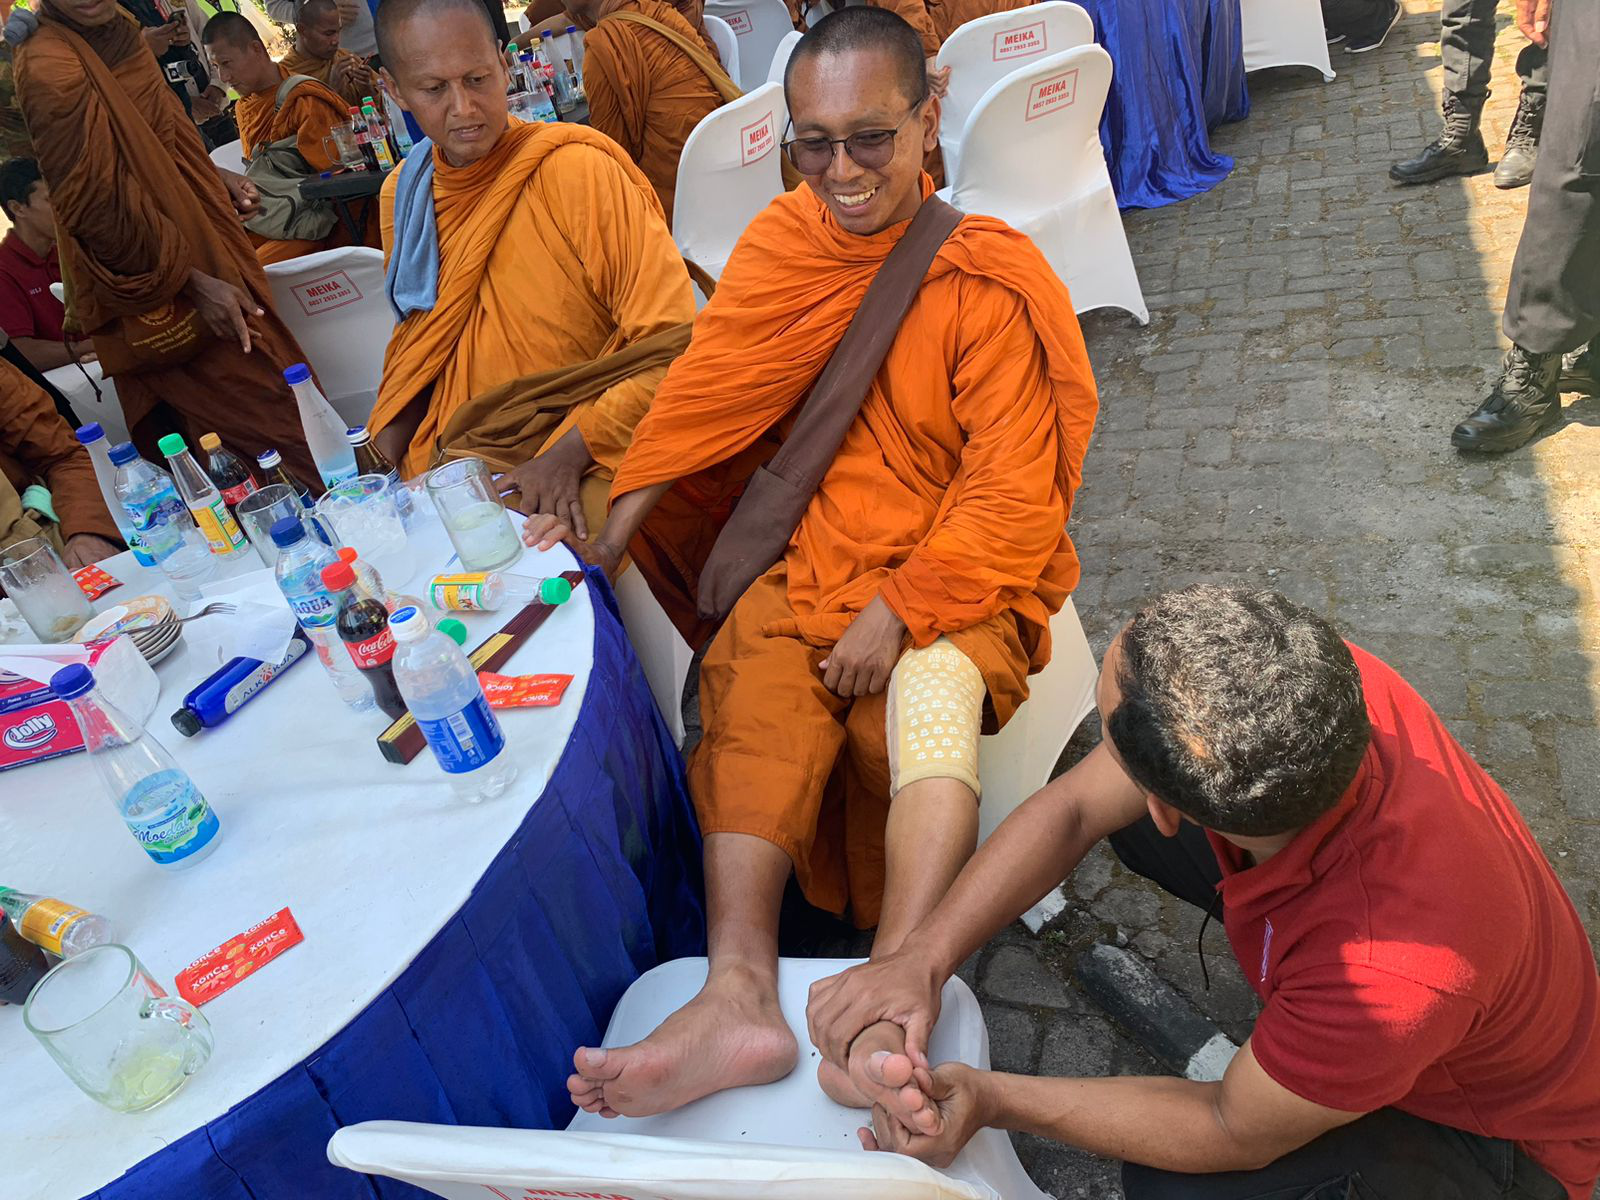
point(412, 281)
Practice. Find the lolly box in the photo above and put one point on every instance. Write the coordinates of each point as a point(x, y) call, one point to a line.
point(35, 726)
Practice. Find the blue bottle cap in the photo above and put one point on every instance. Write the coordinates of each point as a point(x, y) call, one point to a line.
point(298, 373)
point(72, 680)
point(90, 432)
point(123, 452)
point(286, 531)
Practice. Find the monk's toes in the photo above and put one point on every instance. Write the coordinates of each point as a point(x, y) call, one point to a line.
point(890, 1070)
point(596, 1065)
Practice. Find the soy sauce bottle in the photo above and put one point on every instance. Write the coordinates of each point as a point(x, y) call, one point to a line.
point(363, 625)
point(22, 964)
point(228, 471)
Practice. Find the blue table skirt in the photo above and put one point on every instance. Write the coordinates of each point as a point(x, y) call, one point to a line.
point(1177, 72)
point(601, 883)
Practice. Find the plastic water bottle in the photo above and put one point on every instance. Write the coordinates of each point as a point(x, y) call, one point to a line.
point(54, 925)
point(566, 98)
point(572, 57)
point(441, 689)
point(204, 501)
point(299, 575)
point(94, 441)
point(540, 103)
point(161, 522)
point(330, 449)
point(487, 591)
point(163, 809)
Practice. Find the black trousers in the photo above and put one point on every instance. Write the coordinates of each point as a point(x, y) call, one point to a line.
point(1553, 305)
point(1466, 47)
point(1386, 1155)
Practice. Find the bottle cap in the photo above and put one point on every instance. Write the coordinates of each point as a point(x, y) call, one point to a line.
point(90, 432)
point(269, 458)
point(172, 444)
point(572, 29)
point(545, 34)
point(286, 531)
point(347, 554)
point(298, 373)
point(408, 625)
point(512, 47)
point(454, 630)
point(337, 576)
point(186, 723)
point(123, 452)
point(72, 680)
point(358, 435)
point(210, 443)
point(555, 590)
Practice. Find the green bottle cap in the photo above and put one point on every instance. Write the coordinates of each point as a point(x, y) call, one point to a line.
point(172, 444)
point(454, 630)
point(555, 590)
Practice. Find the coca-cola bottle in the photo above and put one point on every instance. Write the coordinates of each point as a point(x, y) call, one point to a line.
point(363, 625)
point(228, 471)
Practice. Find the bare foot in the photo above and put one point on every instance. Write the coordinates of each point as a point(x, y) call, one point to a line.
point(880, 1073)
point(731, 1035)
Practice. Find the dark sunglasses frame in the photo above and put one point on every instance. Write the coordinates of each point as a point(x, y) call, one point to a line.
point(794, 147)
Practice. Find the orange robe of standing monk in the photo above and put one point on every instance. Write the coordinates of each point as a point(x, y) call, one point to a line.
point(645, 93)
point(919, 14)
point(552, 253)
point(308, 113)
point(321, 69)
point(138, 205)
point(949, 497)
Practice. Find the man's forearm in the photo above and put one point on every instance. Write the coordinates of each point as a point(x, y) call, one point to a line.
point(628, 513)
point(43, 354)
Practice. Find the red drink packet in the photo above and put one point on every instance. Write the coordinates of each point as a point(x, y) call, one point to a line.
point(208, 976)
point(93, 582)
point(523, 691)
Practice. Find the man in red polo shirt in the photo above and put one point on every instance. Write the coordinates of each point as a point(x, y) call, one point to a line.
point(29, 312)
point(1430, 1023)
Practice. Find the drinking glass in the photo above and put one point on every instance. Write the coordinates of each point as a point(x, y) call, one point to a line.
point(364, 514)
point(342, 148)
point(45, 593)
point(464, 494)
point(258, 511)
point(114, 1031)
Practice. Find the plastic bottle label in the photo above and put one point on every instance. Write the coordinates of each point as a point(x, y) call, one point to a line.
point(142, 556)
point(373, 651)
point(221, 531)
point(459, 593)
point(314, 609)
point(175, 829)
point(151, 519)
point(47, 923)
point(232, 496)
point(466, 740)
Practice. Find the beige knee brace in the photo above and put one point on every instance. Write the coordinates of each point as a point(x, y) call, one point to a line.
point(935, 713)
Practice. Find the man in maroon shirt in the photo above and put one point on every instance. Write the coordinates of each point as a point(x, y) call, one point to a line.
point(29, 312)
point(1430, 1021)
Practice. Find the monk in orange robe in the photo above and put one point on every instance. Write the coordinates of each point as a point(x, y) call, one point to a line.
point(842, 699)
point(950, 15)
point(646, 92)
point(157, 265)
point(316, 53)
point(539, 294)
point(309, 112)
point(554, 16)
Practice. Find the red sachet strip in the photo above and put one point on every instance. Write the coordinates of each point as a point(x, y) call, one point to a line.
point(94, 582)
point(523, 691)
point(208, 976)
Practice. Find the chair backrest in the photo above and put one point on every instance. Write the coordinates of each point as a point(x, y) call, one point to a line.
point(729, 171)
point(466, 1163)
point(984, 51)
point(229, 156)
point(1034, 138)
point(333, 303)
point(726, 42)
point(759, 25)
point(780, 57)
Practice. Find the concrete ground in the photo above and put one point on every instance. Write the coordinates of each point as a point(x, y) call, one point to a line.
point(1284, 420)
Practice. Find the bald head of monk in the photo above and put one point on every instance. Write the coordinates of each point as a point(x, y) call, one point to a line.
point(316, 29)
point(239, 54)
point(862, 118)
point(443, 61)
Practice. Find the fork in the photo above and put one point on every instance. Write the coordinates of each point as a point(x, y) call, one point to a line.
point(215, 608)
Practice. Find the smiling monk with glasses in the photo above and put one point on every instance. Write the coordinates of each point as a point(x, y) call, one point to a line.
point(916, 558)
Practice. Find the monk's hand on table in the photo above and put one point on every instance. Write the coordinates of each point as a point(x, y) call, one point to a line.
point(901, 987)
point(549, 483)
point(863, 659)
point(960, 1095)
point(224, 308)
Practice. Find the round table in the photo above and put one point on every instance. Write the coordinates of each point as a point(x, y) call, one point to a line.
point(454, 954)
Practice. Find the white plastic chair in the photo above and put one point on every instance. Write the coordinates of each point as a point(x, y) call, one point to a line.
point(1031, 155)
point(729, 171)
point(784, 1141)
point(984, 51)
point(78, 386)
point(759, 26)
point(664, 655)
point(780, 57)
point(726, 42)
point(1017, 761)
point(1284, 33)
point(229, 156)
point(333, 303)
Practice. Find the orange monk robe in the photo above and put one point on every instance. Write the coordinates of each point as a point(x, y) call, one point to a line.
point(37, 446)
point(359, 87)
point(645, 93)
point(694, 12)
point(949, 498)
point(307, 115)
point(552, 252)
point(138, 205)
point(917, 14)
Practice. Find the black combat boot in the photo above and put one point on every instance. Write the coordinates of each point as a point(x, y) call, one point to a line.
point(1580, 371)
point(1524, 402)
point(1459, 149)
point(1522, 144)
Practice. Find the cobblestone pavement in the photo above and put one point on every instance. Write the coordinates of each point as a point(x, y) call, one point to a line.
point(1284, 419)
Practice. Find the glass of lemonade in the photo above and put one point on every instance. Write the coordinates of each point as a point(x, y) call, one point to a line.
point(479, 526)
point(45, 593)
point(114, 1031)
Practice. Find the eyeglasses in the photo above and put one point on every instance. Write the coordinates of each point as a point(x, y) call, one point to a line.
point(869, 148)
